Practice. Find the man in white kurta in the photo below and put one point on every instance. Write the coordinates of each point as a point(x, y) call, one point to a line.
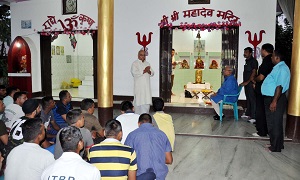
point(142, 71)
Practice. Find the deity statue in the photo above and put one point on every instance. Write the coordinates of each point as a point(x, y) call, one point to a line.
point(198, 76)
point(185, 64)
point(213, 65)
point(23, 64)
point(199, 64)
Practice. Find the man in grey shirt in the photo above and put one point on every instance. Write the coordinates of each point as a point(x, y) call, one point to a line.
point(75, 118)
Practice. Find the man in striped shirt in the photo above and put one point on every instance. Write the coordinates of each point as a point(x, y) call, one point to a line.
point(111, 157)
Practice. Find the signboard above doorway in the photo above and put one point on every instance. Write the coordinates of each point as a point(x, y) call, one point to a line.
point(199, 1)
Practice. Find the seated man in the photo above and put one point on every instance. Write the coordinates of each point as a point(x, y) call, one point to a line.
point(153, 149)
point(91, 122)
point(128, 119)
point(3, 132)
point(75, 118)
point(28, 160)
point(229, 86)
point(60, 111)
point(163, 120)
point(111, 157)
point(70, 165)
point(14, 111)
point(10, 91)
point(47, 115)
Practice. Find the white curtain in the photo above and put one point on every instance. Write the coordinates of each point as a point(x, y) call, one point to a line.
point(288, 7)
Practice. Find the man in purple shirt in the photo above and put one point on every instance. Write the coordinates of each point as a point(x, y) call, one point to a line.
point(152, 148)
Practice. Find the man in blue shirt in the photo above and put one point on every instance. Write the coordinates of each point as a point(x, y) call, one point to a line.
point(60, 111)
point(273, 88)
point(153, 149)
point(229, 86)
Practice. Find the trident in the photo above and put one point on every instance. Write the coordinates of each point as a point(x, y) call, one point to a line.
point(255, 41)
point(144, 42)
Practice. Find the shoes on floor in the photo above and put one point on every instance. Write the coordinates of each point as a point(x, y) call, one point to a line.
point(252, 121)
point(217, 117)
point(255, 135)
point(245, 116)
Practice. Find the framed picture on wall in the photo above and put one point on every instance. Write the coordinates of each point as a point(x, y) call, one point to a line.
point(62, 50)
point(57, 50)
point(69, 58)
point(52, 50)
point(69, 7)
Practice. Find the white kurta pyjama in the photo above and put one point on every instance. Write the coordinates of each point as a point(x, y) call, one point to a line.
point(142, 88)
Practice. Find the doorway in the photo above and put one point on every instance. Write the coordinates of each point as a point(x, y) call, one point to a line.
point(68, 62)
point(217, 46)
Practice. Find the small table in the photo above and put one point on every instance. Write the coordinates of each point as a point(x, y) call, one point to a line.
point(206, 92)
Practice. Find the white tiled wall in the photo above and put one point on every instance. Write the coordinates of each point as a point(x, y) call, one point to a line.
point(79, 67)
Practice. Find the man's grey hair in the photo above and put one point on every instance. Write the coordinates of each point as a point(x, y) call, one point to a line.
point(229, 68)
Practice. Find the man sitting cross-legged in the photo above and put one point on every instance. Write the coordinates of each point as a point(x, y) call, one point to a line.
point(75, 118)
point(111, 157)
point(153, 149)
point(28, 160)
point(128, 119)
point(70, 165)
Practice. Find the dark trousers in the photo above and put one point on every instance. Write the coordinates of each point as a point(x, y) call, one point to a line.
point(275, 122)
point(261, 122)
point(251, 100)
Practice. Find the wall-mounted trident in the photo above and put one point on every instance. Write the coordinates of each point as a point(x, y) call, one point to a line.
point(144, 41)
point(255, 41)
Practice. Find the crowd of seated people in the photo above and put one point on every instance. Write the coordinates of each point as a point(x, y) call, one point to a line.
point(41, 139)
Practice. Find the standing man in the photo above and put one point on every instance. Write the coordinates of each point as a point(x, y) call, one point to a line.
point(250, 70)
point(264, 69)
point(142, 71)
point(274, 88)
point(153, 149)
point(228, 87)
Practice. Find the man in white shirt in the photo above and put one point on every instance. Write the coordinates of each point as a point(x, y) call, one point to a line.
point(28, 160)
point(128, 119)
point(70, 165)
point(14, 111)
point(142, 71)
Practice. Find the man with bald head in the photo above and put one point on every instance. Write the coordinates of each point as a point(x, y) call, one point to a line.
point(141, 72)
